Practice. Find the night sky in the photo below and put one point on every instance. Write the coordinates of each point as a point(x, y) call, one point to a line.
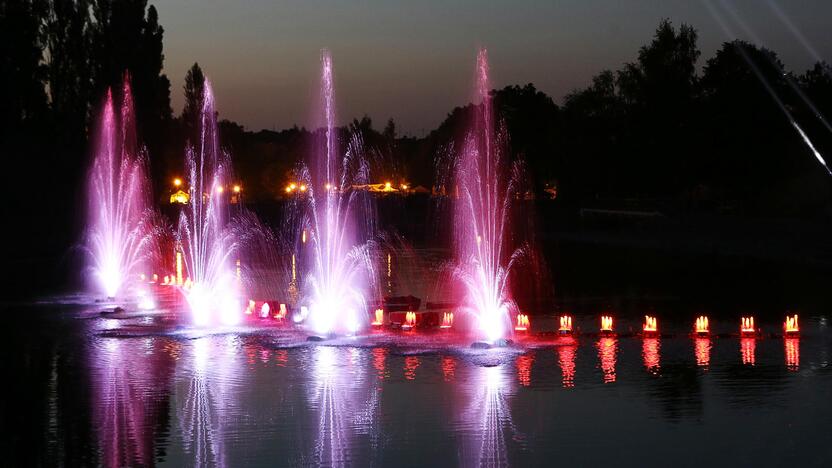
point(413, 60)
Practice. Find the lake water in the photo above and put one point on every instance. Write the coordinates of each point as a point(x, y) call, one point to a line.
point(75, 396)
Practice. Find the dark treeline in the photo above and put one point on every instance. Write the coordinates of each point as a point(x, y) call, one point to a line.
point(668, 130)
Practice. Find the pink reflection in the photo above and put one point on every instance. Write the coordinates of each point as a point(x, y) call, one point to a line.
point(566, 360)
point(411, 363)
point(524, 369)
point(489, 416)
point(125, 410)
point(448, 368)
point(281, 357)
point(748, 347)
point(607, 355)
point(702, 351)
point(792, 350)
point(650, 352)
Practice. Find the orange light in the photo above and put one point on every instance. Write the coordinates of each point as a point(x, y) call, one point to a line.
point(288, 189)
point(524, 369)
point(178, 267)
point(447, 320)
point(237, 189)
point(303, 236)
point(327, 186)
point(702, 326)
point(607, 354)
point(790, 325)
point(282, 312)
point(650, 324)
point(250, 308)
point(220, 189)
point(747, 325)
point(409, 320)
point(379, 320)
point(404, 186)
point(177, 182)
point(606, 324)
point(302, 187)
point(388, 186)
point(264, 310)
point(522, 322)
point(702, 351)
point(565, 324)
point(650, 353)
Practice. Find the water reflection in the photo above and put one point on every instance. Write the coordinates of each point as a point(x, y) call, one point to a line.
point(379, 362)
point(345, 401)
point(411, 363)
point(702, 351)
point(490, 416)
point(130, 398)
point(607, 355)
point(566, 360)
point(650, 353)
point(524, 369)
point(748, 347)
point(210, 399)
point(792, 353)
point(448, 368)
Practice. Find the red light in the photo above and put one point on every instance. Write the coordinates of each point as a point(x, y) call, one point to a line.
point(524, 369)
point(448, 368)
point(747, 350)
point(790, 326)
point(747, 326)
point(650, 353)
point(606, 324)
point(792, 353)
point(702, 351)
point(379, 318)
point(379, 359)
point(447, 320)
point(409, 321)
point(566, 360)
point(650, 324)
point(607, 354)
point(702, 326)
point(411, 363)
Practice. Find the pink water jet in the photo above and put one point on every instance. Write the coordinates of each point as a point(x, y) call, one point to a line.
point(119, 233)
point(336, 288)
point(204, 236)
point(485, 181)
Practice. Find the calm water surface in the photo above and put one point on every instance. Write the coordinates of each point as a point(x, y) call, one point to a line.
point(238, 399)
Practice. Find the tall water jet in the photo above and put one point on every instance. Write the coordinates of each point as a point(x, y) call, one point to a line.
point(336, 287)
point(119, 230)
point(204, 238)
point(485, 183)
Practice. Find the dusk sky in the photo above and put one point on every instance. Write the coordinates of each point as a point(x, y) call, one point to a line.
point(413, 61)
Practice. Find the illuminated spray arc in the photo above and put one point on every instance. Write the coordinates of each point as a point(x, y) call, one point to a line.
point(119, 233)
point(485, 184)
point(204, 235)
point(341, 267)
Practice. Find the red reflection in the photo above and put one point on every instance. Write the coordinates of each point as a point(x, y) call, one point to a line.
point(702, 351)
point(379, 361)
point(264, 356)
point(281, 356)
point(650, 353)
point(524, 369)
point(448, 368)
point(566, 360)
point(792, 348)
point(411, 363)
point(748, 347)
point(607, 354)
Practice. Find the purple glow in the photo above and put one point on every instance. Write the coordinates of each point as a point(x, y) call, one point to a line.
point(119, 233)
point(485, 183)
point(203, 235)
point(337, 283)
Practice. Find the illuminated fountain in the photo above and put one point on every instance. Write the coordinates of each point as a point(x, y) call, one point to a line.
point(119, 235)
point(701, 327)
point(341, 266)
point(522, 323)
point(565, 327)
point(485, 183)
point(409, 321)
point(606, 325)
point(650, 325)
point(747, 326)
point(447, 320)
point(204, 235)
point(790, 326)
point(379, 318)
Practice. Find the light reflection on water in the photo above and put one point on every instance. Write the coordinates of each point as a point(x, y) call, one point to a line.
point(231, 400)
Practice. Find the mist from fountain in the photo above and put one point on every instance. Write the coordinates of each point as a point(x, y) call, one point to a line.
point(119, 236)
point(204, 236)
point(338, 217)
point(486, 182)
